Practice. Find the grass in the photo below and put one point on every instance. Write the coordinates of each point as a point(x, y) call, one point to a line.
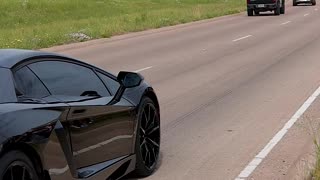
point(315, 175)
point(313, 128)
point(34, 24)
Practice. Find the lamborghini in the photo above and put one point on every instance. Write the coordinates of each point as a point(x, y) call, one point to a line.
point(61, 118)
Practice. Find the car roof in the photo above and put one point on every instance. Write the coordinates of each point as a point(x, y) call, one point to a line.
point(11, 57)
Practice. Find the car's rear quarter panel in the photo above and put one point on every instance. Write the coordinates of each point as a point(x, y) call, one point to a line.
point(34, 126)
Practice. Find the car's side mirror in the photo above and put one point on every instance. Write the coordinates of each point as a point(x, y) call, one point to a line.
point(126, 80)
point(129, 79)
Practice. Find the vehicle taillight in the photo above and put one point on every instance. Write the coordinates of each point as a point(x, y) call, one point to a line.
point(248, 1)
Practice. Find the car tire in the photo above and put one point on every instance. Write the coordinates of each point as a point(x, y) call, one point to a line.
point(277, 10)
point(294, 3)
point(313, 2)
point(283, 8)
point(250, 12)
point(256, 12)
point(147, 145)
point(18, 163)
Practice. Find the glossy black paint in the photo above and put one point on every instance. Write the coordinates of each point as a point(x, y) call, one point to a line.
point(100, 132)
point(69, 136)
point(12, 57)
point(7, 93)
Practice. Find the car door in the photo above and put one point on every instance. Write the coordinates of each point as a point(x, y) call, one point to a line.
point(98, 132)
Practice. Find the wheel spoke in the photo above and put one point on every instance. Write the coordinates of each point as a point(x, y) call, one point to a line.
point(150, 126)
point(11, 169)
point(143, 143)
point(152, 122)
point(154, 155)
point(142, 130)
point(147, 152)
point(154, 117)
point(153, 130)
point(23, 173)
point(154, 144)
point(146, 119)
point(149, 112)
point(149, 158)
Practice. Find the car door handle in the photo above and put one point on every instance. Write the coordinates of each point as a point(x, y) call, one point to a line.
point(78, 124)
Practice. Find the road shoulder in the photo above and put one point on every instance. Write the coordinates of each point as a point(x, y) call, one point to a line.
point(294, 156)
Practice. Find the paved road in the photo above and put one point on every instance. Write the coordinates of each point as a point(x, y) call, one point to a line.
point(226, 86)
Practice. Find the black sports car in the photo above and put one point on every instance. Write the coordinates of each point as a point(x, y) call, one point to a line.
point(61, 118)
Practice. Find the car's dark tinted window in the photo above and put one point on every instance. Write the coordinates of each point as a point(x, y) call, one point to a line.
point(7, 92)
point(112, 84)
point(63, 78)
point(28, 84)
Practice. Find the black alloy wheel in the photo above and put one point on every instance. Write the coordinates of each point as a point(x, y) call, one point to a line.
point(250, 12)
point(17, 166)
point(283, 8)
point(18, 171)
point(148, 138)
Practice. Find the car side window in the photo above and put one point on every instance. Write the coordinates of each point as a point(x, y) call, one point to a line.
point(112, 84)
point(29, 84)
point(63, 78)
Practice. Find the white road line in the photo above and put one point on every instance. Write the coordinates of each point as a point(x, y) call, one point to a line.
point(241, 38)
point(316, 9)
point(143, 69)
point(306, 14)
point(286, 23)
point(272, 143)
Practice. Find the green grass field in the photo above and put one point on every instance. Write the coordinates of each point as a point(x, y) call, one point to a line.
point(315, 174)
point(34, 24)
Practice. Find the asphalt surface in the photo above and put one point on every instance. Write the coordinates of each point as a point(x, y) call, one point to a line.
point(226, 86)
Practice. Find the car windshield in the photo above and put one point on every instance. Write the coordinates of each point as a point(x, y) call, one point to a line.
point(7, 93)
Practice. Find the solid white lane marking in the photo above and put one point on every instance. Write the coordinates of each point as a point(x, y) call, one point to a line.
point(316, 9)
point(286, 23)
point(306, 14)
point(241, 38)
point(143, 69)
point(272, 143)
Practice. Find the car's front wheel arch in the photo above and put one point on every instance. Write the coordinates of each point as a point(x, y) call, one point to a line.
point(152, 95)
point(30, 152)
